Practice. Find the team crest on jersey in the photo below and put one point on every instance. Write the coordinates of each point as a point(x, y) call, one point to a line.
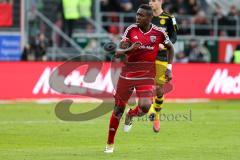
point(162, 21)
point(153, 39)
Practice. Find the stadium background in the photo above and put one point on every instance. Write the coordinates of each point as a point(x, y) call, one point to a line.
point(35, 38)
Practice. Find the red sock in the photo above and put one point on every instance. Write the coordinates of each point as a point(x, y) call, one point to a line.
point(136, 112)
point(113, 126)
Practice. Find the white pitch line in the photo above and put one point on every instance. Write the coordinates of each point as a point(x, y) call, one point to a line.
point(92, 100)
point(41, 122)
point(29, 122)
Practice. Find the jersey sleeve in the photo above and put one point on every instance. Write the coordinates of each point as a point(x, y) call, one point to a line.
point(172, 29)
point(165, 37)
point(126, 35)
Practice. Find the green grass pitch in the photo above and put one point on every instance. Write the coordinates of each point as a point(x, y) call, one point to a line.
point(205, 131)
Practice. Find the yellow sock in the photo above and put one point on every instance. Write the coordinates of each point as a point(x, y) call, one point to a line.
point(158, 106)
point(152, 110)
point(157, 115)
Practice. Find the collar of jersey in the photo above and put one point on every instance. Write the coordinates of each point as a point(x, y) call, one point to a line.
point(147, 31)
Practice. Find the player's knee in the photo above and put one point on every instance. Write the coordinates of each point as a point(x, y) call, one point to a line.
point(145, 108)
point(159, 91)
point(160, 94)
point(118, 111)
point(145, 105)
point(120, 103)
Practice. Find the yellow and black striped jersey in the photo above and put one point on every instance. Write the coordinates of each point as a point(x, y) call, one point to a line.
point(169, 24)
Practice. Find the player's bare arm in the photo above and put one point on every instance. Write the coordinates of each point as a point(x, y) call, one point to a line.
point(170, 56)
point(170, 48)
point(125, 47)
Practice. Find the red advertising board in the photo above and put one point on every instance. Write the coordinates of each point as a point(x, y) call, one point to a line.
point(30, 80)
point(6, 15)
point(214, 81)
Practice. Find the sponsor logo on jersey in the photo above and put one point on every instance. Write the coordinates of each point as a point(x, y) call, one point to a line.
point(147, 47)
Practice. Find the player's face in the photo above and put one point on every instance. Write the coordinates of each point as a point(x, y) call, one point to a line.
point(142, 18)
point(155, 4)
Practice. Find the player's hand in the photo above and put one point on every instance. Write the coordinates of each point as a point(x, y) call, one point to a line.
point(132, 47)
point(168, 75)
point(161, 46)
point(135, 45)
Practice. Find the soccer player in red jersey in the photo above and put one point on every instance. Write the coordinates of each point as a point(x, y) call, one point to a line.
point(138, 71)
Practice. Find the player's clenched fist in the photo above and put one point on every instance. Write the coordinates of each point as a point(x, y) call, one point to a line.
point(168, 75)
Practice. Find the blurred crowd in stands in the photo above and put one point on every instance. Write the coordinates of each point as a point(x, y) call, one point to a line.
point(187, 12)
point(183, 7)
point(36, 49)
point(193, 53)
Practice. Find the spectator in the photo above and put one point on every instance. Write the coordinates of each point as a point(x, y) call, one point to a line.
point(39, 47)
point(232, 17)
point(201, 20)
point(192, 7)
point(36, 49)
point(85, 9)
point(179, 6)
point(181, 57)
point(184, 28)
point(125, 5)
point(69, 13)
point(197, 53)
point(220, 19)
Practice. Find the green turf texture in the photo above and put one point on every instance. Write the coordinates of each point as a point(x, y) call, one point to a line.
point(31, 131)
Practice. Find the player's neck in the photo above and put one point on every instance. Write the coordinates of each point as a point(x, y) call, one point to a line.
point(146, 28)
point(158, 11)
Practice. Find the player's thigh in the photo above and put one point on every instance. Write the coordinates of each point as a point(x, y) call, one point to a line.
point(145, 95)
point(161, 67)
point(124, 91)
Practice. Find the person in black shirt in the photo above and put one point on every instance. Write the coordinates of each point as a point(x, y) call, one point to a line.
point(164, 59)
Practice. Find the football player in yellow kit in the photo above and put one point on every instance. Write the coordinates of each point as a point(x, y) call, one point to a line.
point(164, 60)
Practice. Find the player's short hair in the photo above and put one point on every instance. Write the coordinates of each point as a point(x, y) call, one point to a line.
point(147, 8)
